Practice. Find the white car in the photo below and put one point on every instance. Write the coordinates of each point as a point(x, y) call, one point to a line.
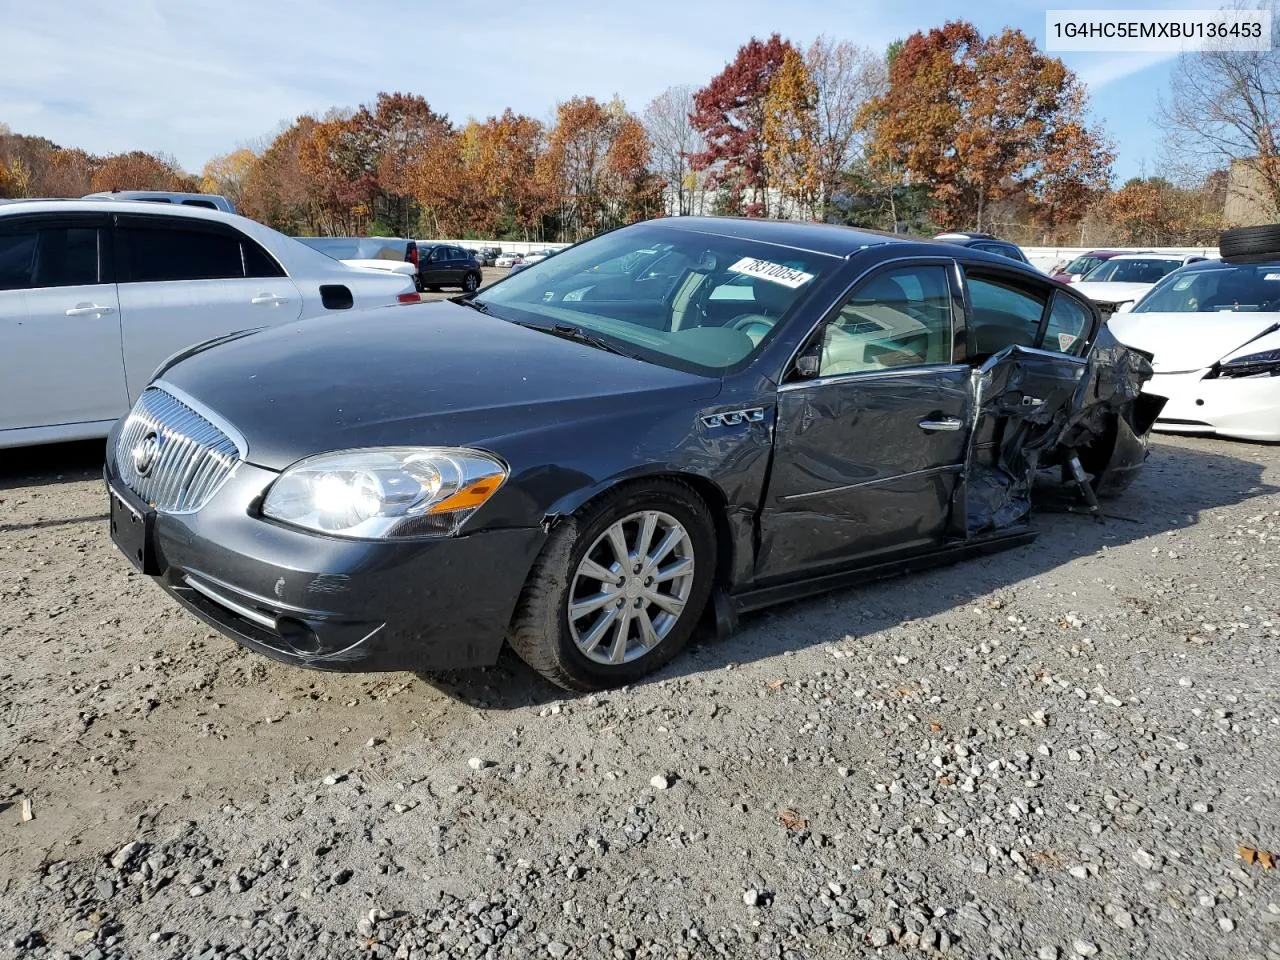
point(1124, 279)
point(1214, 330)
point(96, 294)
point(506, 259)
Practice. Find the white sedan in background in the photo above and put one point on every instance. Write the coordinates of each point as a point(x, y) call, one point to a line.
point(1125, 279)
point(506, 260)
point(96, 294)
point(1214, 331)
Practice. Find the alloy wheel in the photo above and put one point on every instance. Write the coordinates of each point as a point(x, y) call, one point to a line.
point(631, 587)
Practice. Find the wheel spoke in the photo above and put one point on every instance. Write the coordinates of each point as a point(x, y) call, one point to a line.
point(619, 544)
point(674, 536)
point(594, 571)
point(680, 568)
point(619, 651)
point(648, 635)
point(667, 602)
point(645, 537)
point(580, 608)
point(593, 637)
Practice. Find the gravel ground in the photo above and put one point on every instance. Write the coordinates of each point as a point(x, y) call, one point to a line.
point(1050, 753)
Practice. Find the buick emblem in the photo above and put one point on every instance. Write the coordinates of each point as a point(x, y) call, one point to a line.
point(145, 454)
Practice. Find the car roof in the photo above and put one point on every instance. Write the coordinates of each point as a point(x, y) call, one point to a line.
point(831, 239)
point(118, 206)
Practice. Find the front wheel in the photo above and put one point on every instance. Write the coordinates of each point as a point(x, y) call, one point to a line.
point(618, 588)
point(470, 283)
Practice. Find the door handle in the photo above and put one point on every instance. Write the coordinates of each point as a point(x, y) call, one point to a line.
point(945, 425)
point(89, 310)
point(268, 300)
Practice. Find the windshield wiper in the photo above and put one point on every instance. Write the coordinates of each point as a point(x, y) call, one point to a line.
point(569, 331)
point(473, 304)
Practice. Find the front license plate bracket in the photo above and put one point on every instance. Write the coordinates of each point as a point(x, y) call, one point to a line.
point(131, 532)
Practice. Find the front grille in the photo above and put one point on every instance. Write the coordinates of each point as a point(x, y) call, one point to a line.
point(171, 456)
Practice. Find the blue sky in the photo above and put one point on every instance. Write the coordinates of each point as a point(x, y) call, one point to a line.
point(194, 79)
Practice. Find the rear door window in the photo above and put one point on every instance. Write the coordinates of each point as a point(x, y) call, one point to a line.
point(1069, 324)
point(1003, 313)
point(160, 253)
point(17, 259)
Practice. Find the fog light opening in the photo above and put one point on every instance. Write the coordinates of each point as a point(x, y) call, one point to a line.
point(298, 635)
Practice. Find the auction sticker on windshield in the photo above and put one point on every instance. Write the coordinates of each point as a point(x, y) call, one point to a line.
point(774, 272)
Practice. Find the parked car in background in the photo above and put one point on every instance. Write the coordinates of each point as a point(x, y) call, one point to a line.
point(95, 294)
point(505, 259)
point(210, 201)
point(1214, 330)
point(1075, 269)
point(986, 243)
point(446, 265)
point(390, 254)
point(1120, 281)
point(586, 456)
point(488, 256)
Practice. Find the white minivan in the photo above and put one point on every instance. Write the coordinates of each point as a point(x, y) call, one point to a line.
point(96, 294)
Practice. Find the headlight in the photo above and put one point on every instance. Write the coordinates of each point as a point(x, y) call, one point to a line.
point(1266, 363)
point(385, 492)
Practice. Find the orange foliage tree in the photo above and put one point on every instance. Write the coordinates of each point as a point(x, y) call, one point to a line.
point(137, 170)
point(980, 119)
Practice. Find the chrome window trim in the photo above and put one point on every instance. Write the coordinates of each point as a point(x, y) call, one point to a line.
point(913, 371)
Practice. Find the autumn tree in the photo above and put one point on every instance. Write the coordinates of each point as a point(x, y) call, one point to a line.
point(729, 113)
point(1156, 212)
point(227, 174)
point(984, 118)
point(137, 170)
point(595, 168)
point(791, 135)
point(845, 78)
point(501, 158)
point(399, 128)
point(277, 191)
point(1223, 108)
point(339, 162)
point(674, 142)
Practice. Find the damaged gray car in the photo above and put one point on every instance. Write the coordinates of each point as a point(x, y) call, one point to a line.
point(683, 419)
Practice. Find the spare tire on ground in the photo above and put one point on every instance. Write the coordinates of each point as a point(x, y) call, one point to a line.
point(1250, 243)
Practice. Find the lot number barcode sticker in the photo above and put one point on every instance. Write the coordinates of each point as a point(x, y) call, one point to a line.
point(774, 272)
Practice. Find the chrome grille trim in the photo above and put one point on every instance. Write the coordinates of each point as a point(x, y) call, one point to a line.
point(197, 450)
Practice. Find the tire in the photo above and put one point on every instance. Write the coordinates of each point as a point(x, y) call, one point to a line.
point(542, 631)
point(470, 283)
point(1262, 242)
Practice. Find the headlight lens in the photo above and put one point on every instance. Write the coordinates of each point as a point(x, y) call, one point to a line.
point(1266, 363)
point(385, 493)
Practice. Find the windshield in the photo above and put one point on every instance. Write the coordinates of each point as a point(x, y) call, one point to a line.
point(1081, 265)
point(351, 248)
point(1221, 287)
point(1131, 271)
point(693, 301)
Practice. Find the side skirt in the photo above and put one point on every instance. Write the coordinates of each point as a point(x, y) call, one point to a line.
point(759, 598)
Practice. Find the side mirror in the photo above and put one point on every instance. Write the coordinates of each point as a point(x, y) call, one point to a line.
point(809, 363)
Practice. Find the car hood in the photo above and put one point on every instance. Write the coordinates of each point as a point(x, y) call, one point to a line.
point(1108, 292)
point(1182, 342)
point(429, 374)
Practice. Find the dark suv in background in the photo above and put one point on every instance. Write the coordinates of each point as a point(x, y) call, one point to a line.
point(445, 265)
point(986, 243)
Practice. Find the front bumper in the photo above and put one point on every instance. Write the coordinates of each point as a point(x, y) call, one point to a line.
point(1247, 408)
point(334, 604)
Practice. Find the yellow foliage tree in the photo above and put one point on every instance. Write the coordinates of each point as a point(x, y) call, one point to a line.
point(792, 158)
